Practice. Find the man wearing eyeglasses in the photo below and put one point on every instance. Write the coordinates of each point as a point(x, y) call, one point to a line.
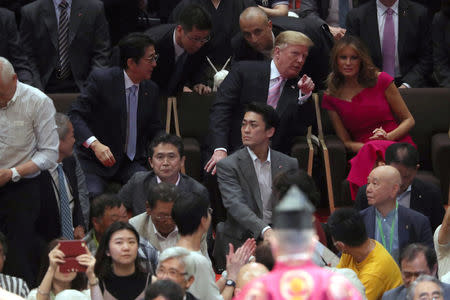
point(117, 115)
point(182, 51)
point(415, 260)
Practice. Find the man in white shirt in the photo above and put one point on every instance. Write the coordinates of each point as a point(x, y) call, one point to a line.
point(28, 146)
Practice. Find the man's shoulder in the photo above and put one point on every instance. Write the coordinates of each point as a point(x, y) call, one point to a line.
point(33, 95)
point(284, 157)
point(139, 219)
point(141, 176)
point(192, 184)
point(396, 293)
point(106, 74)
point(413, 5)
point(425, 187)
point(6, 14)
point(410, 213)
point(158, 33)
point(33, 7)
point(367, 211)
point(231, 160)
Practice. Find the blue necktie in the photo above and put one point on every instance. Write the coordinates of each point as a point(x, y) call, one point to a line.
point(132, 116)
point(343, 10)
point(65, 212)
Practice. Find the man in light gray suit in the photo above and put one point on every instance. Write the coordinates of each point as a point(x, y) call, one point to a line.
point(245, 182)
point(415, 260)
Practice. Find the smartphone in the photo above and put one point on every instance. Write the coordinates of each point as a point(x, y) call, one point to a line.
point(71, 250)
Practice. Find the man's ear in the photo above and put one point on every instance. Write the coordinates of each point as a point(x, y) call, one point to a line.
point(269, 24)
point(96, 223)
point(434, 270)
point(183, 159)
point(147, 208)
point(190, 281)
point(150, 162)
point(270, 132)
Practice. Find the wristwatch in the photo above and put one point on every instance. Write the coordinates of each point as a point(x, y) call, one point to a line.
point(15, 175)
point(230, 282)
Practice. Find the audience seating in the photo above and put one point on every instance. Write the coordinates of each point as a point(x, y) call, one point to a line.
point(62, 102)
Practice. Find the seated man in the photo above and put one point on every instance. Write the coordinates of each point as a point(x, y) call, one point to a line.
point(414, 193)
point(129, 100)
point(393, 225)
point(164, 290)
point(425, 287)
point(107, 209)
point(415, 260)
point(166, 157)
point(245, 182)
point(442, 245)
point(156, 224)
point(374, 266)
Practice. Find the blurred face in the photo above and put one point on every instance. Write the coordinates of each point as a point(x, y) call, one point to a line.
point(413, 269)
point(290, 60)
point(123, 247)
point(407, 174)
point(173, 269)
point(161, 217)
point(257, 32)
point(427, 290)
point(66, 144)
point(166, 162)
point(192, 41)
point(253, 130)
point(379, 190)
point(348, 62)
point(111, 215)
point(142, 70)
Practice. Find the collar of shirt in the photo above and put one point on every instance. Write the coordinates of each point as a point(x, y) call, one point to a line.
point(274, 73)
point(158, 180)
point(14, 98)
point(178, 49)
point(255, 158)
point(381, 8)
point(57, 2)
point(159, 236)
point(129, 82)
point(389, 217)
point(408, 190)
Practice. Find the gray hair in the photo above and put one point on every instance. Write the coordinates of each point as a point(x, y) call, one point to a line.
point(6, 69)
point(422, 278)
point(62, 124)
point(183, 255)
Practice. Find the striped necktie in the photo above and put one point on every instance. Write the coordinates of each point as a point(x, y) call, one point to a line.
point(65, 212)
point(132, 119)
point(274, 92)
point(63, 41)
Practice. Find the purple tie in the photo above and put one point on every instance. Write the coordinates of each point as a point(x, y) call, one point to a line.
point(388, 48)
point(274, 92)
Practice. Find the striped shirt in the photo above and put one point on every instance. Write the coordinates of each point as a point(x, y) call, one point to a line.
point(14, 285)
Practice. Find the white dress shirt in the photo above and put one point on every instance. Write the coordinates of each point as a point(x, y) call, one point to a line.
point(166, 242)
point(58, 9)
point(405, 198)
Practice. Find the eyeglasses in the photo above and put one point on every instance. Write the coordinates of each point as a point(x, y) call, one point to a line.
point(152, 58)
point(162, 217)
point(433, 296)
point(199, 40)
point(169, 157)
point(160, 272)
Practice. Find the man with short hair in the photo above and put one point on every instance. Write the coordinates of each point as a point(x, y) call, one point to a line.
point(125, 96)
point(414, 193)
point(166, 157)
point(245, 182)
point(372, 263)
point(393, 225)
point(425, 287)
point(415, 260)
point(247, 273)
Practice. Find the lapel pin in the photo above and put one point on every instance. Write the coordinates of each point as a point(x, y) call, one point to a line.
point(146, 94)
point(404, 13)
point(407, 227)
point(279, 167)
point(292, 87)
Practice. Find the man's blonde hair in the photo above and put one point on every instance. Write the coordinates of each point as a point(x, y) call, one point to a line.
point(290, 37)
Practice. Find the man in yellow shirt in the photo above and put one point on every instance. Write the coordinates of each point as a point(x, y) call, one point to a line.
point(374, 266)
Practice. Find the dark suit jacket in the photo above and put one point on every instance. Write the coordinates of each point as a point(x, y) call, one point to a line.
point(101, 111)
point(320, 8)
point(425, 198)
point(413, 227)
point(163, 37)
point(88, 38)
point(134, 194)
point(415, 57)
point(248, 81)
point(441, 48)
point(317, 63)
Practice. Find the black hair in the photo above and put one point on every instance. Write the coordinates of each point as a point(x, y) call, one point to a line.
point(3, 243)
point(102, 202)
point(169, 289)
point(133, 46)
point(189, 211)
point(196, 16)
point(263, 255)
point(164, 191)
point(267, 112)
point(347, 226)
point(166, 139)
point(103, 264)
point(402, 153)
point(410, 252)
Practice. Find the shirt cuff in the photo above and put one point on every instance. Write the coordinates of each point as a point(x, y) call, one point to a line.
point(302, 99)
point(264, 230)
point(223, 149)
point(407, 85)
point(89, 141)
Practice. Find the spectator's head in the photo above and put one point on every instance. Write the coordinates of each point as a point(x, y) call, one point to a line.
point(8, 81)
point(177, 264)
point(290, 52)
point(415, 260)
point(117, 248)
point(166, 157)
point(137, 56)
point(105, 210)
point(65, 132)
point(425, 287)
point(350, 58)
point(3, 250)
point(263, 255)
point(405, 158)
point(161, 198)
point(164, 290)
point(347, 229)
point(192, 214)
point(256, 29)
point(247, 273)
point(258, 125)
point(193, 29)
point(383, 185)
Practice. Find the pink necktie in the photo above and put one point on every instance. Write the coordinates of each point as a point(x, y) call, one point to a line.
point(388, 48)
point(274, 93)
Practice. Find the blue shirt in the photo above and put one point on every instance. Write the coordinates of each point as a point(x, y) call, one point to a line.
point(386, 223)
point(58, 10)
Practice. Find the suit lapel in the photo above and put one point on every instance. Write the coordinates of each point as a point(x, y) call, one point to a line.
point(372, 31)
point(49, 16)
point(403, 24)
point(263, 80)
point(248, 170)
point(370, 222)
point(118, 92)
point(76, 16)
point(289, 93)
point(415, 201)
point(403, 227)
point(149, 231)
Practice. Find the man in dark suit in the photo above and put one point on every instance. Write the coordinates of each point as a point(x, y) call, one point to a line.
point(393, 225)
point(414, 193)
point(273, 82)
point(257, 36)
point(128, 101)
point(181, 49)
point(64, 40)
point(166, 157)
point(10, 47)
point(403, 48)
point(245, 182)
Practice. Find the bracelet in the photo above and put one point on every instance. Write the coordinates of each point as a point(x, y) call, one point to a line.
point(42, 293)
point(95, 283)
